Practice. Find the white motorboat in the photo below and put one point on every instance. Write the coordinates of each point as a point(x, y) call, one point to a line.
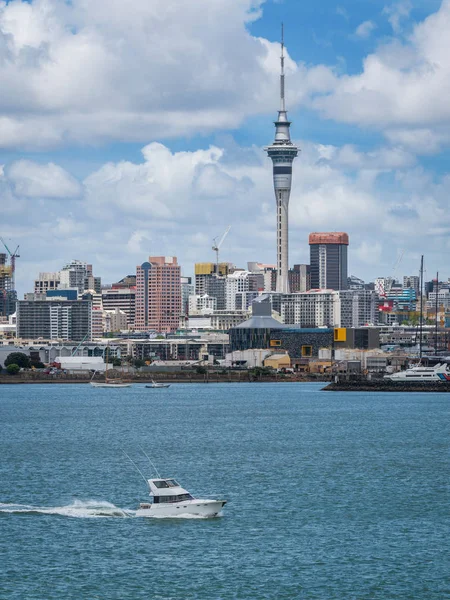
point(155, 384)
point(169, 499)
point(421, 373)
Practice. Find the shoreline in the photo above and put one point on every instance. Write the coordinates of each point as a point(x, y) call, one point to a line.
point(10, 380)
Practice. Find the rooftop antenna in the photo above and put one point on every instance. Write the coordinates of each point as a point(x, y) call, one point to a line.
point(148, 458)
point(137, 468)
point(283, 104)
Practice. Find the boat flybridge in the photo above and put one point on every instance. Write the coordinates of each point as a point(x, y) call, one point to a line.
point(169, 499)
point(420, 373)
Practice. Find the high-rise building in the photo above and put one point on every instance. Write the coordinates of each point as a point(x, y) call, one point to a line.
point(329, 308)
point(54, 319)
point(73, 275)
point(204, 272)
point(187, 290)
point(328, 260)
point(8, 295)
point(300, 278)
point(282, 152)
point(412, 281)
point(158, 294)
point(123, 299)
point(46, 282)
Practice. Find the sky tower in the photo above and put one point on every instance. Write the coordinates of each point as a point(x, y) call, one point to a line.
point(282, 152)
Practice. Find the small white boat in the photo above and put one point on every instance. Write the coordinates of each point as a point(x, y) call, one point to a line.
point(155, 384)
point(420, 373)
point(169, 499)
point(110, 383)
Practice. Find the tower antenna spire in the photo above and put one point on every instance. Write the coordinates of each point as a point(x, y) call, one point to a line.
point(282, 100)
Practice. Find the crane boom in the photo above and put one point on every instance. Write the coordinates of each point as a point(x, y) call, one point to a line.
point(4, 243)
point(216, 246)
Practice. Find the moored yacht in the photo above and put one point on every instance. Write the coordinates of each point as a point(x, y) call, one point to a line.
point(421, 373)
point(169, 499)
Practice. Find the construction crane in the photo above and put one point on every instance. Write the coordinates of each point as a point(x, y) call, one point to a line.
point(12, 256)
point(216, 247)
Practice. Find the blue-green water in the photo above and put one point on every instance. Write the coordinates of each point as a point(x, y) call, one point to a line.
point(330, 495)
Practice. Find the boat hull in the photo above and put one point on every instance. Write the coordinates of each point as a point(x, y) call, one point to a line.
point(163, 385)
point(99, 384)
point(196, 508)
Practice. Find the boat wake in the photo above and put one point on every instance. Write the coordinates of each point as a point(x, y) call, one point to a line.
point(90, 509)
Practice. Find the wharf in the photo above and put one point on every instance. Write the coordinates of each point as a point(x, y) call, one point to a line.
point(380, 385)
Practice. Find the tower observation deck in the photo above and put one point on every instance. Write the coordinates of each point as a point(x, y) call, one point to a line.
point(282, 152)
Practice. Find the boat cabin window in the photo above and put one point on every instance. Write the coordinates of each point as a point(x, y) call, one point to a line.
point(168, 483)
point(173, 483)
point(160, 484)
point(169, 499)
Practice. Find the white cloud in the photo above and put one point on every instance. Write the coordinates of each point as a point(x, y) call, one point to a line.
point(403, 88)
point(365, 29)
point(98, 71)
point(32, 180)
point(397, 12)
point(129, 210)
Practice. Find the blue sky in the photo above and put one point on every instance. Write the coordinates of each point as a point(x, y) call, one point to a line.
point(127, 133)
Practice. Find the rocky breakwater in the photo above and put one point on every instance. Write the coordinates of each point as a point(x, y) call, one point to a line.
point(384, 385)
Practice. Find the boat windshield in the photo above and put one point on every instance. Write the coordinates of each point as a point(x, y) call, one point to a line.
point(168, 483)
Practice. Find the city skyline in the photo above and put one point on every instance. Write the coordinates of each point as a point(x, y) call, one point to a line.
point(120, 169)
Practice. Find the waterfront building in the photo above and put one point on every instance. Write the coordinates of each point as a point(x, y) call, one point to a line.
point(282, 152)
point(158, 294)
point(54, 319)
point(263, 331)
point(328, 260)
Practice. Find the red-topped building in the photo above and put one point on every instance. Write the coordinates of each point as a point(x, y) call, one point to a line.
point(158, 295)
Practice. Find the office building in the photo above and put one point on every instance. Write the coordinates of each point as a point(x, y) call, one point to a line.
point(54, 319)
point(328, 260)
point(158, 295)
point(123, 299)
point(330, 308)
point(187, 290)
point(204, 272)
point(300, 278)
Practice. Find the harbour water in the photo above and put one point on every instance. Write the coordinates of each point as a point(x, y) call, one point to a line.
point(331, 496)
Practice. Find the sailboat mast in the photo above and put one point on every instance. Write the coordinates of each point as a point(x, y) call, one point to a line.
point(421, 309)
point(436, 324)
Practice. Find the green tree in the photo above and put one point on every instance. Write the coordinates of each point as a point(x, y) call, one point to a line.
point(18, 358)
point(201, 370)
point(38, 365)
point(116, 362)
point(12, 369)
point(138, 363)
